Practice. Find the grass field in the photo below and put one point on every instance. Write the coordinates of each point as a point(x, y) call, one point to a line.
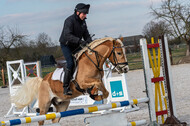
point(134, 59)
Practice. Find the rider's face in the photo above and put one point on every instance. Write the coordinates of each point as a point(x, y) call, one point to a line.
point(82, 15)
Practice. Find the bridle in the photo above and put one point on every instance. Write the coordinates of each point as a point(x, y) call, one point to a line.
point(117, 65)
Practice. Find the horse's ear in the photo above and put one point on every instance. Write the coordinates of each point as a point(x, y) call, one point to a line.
point(114, 42)
point(121, 38)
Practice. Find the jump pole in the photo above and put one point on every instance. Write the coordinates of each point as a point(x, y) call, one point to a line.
point(73, 112)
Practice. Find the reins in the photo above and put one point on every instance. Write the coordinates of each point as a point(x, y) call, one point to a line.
point(97, 58)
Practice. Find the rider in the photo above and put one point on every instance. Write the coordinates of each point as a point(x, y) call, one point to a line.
point(74, 34)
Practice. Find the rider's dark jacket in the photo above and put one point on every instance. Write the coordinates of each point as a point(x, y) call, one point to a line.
point(74, 30)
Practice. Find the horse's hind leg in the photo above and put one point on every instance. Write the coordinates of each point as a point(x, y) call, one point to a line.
point(44, 99)
point(60, 107)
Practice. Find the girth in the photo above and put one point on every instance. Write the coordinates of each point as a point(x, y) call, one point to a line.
point(78, 87)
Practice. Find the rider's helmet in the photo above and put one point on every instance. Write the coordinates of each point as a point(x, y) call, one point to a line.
point(82, 8)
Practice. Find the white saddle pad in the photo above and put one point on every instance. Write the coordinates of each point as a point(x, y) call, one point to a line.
point(59, 73)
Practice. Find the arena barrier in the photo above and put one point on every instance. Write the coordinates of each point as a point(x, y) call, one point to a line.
point(73, 112)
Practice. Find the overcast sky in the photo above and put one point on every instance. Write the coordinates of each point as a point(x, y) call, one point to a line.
point(106, 17)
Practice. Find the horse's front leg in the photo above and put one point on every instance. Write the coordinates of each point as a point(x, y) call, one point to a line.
point(104, 91)
point(95, 85)
point(101, 88)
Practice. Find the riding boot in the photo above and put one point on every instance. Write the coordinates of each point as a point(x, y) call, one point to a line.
point(66, 82)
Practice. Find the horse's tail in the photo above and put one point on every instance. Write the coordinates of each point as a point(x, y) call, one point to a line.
point(27, 93)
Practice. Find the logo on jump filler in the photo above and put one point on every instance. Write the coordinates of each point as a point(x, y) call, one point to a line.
point(116, 89)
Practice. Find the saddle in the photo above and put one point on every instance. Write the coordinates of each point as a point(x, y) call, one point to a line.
point(58, 74)
point(61, 64)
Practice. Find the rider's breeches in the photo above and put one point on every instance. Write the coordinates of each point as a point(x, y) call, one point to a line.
point(68, 56)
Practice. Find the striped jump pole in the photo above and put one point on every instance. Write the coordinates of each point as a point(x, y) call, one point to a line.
point(73, 112)
point(137, 123)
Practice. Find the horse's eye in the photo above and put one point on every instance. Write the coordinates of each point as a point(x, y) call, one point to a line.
point(119, 53)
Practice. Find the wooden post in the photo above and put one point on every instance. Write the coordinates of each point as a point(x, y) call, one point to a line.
point(3, 78)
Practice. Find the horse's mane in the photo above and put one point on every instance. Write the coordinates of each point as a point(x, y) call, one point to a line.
point(94, 44)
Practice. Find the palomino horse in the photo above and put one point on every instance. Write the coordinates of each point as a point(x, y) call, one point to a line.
point(89, 79)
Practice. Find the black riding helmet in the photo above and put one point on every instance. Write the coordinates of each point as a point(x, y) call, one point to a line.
point(82, 8)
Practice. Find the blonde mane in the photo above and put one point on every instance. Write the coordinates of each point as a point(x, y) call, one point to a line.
point(92, 45)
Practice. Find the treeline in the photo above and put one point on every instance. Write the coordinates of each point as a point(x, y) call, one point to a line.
point(15, 46)
point(31, 53)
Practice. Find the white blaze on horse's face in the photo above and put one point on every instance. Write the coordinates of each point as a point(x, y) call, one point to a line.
point(121, 58)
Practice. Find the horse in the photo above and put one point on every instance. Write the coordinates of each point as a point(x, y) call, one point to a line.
point(88, 79)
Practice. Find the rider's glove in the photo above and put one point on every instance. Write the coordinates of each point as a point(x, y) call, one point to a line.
point(83, 43)
point(89, 40)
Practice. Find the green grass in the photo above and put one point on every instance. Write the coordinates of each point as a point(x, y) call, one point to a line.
point(1, 83)
point(47, 70)
point(135, 59)
point(134, 56)
point(178, 54)
point(135, 65)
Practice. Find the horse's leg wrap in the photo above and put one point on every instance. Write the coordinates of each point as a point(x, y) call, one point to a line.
point(92, 90)
point(93, 96)
point(96, 97)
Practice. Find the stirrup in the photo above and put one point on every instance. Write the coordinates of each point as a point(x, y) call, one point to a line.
point(67, 91)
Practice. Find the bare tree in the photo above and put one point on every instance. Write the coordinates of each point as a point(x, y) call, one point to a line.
point(9, 38)
point(156, 29)
point(43, 45)
point(177, 15)
point(44, 40)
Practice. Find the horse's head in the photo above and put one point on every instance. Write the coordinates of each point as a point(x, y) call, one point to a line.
point(118, 56)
